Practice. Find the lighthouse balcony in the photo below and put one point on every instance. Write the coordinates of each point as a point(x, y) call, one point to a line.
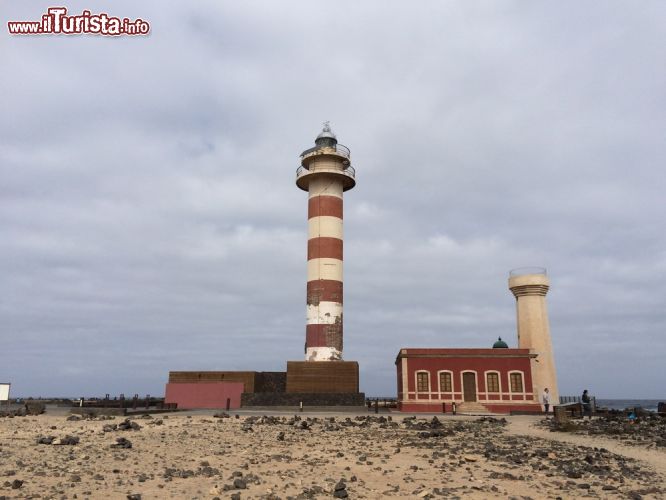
point(304, 174)
point(336, 149)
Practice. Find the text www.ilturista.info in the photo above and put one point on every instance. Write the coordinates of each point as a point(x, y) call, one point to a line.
point(57, 22)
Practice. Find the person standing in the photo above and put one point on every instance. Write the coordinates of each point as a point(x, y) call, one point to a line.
point(587, 406)
point(545, 399)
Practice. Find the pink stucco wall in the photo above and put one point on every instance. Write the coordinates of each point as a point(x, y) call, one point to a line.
point(204, 395)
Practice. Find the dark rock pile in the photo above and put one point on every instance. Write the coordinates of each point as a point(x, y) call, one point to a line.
point(340, 490)
point(20, 412)
point(647, 429)
point(128, 425)
point(204, 470)
point(125, 425)
point(327, 423)
point(122, 443)
point(67, 440)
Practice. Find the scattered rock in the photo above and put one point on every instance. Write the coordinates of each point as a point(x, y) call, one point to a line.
point(127, 425)
point(121, 442)
point(239, 484)
point(340, 489)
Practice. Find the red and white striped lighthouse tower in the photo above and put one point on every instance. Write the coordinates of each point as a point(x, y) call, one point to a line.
point(325, 173)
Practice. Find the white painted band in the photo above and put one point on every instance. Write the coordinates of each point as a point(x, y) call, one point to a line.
point(325, 269)
point(323, 354)
point(325, 186)
point(325, 225)
point(326, 313)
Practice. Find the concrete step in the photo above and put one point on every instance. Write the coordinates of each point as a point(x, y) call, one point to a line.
point(473, 408)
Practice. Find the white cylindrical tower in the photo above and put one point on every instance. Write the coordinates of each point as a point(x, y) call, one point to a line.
point(325, 173)
point(530, 286)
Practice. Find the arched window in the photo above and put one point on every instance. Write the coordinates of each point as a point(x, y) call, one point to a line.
point(492, 382)
point(516, 380)
point(422, 382)
point(445, 382)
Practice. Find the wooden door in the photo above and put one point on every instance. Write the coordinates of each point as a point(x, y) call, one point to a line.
point(469, 387)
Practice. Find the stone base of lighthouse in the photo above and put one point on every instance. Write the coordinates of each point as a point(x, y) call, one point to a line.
point(323, 377)
point(323, 384)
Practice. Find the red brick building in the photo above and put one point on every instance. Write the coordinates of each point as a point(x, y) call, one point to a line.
point(498, 379)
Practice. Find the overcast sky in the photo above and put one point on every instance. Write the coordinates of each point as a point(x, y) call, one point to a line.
point(149, 219)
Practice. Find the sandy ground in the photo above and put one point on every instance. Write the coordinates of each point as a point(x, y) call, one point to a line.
point(200, 456)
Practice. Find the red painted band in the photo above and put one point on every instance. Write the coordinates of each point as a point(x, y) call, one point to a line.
point(324, 336)
point(325, 205)
point(324, 247)
point(324, 291)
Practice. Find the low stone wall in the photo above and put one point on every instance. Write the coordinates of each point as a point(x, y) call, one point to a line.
point(308, 399)
point(98, 411)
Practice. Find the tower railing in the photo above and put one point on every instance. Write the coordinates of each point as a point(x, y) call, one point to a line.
point(338, 148)
point(349, 172)
point(522, 271)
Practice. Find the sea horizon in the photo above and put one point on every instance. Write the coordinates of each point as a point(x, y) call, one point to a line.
point(649, 404)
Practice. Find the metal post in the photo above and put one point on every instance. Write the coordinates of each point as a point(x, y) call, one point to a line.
point(301, 406)
point(453, 407)
point(147, 401)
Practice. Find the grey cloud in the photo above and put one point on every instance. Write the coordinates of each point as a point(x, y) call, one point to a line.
point(149, 220)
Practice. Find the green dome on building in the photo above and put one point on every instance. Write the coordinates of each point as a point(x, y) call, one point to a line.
point(500, 344)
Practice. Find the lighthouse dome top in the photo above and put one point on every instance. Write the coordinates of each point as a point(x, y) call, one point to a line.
point(326, 133)
point(326, 143)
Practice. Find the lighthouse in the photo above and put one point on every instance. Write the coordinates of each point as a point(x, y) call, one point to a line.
point(530, 286)
point(325, 173)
